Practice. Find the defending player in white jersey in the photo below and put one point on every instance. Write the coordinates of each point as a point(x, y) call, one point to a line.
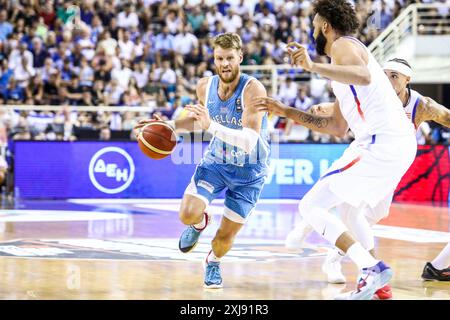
point(384, 145)
point(418, 109)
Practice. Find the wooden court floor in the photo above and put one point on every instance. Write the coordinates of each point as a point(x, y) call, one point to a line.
point(129, 251)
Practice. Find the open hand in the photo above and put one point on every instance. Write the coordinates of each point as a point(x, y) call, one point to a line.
point(271, 105)
point(200, 113)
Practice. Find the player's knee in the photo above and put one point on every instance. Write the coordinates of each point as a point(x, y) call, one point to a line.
point(190, 214)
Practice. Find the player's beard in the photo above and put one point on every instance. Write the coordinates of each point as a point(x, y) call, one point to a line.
point(232, 76)
point(321, 43)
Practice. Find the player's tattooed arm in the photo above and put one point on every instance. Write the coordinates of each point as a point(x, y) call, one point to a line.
point(318, 121)
point(429, 109)
point(333, 124)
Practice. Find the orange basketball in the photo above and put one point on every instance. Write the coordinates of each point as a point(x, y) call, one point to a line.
point(157, 139)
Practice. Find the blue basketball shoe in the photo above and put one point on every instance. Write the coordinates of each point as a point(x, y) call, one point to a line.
point(189, 237)
point(213, 278)
point(370, 280)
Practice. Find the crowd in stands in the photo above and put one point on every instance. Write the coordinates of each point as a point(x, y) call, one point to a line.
point(147, 53)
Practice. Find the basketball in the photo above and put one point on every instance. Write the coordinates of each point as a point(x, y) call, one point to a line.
point(157, 140)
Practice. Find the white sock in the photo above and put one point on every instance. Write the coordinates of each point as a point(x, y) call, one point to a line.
point(211, 257)
point(361, 256)
point(336, 254)
point(201, 225)
point(442, 261)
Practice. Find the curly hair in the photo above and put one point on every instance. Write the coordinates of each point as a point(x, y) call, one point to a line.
point(339, 13)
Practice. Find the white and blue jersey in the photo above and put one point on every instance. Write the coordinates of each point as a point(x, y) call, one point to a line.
point(229, 114)
point(225, 166)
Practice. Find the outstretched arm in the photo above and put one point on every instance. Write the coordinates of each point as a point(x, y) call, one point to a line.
point(429, 109)
point(333, 124)
point(349, 65)
point(185, 124)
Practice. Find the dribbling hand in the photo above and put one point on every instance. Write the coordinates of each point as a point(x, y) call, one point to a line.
point(137, 128)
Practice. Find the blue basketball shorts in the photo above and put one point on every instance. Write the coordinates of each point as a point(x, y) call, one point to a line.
point(243, 186)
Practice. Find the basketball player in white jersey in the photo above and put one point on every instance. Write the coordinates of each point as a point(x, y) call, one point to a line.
point(419, 109)
point(384, 145)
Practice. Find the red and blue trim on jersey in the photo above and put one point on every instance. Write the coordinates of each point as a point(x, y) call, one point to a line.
point(358, 104)
point(351, 164)
point(413, 114)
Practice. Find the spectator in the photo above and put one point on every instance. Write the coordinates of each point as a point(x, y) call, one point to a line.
point(173, 22)
point(97, 93)
point(47, 69)
point(166, 77)
point(288, 91)
point(212, 16)
point(87, 46)
point(140, 74)
point(232, 21)
point(223, 6)
point(23, 73)
point(73, 92)
point(66, 72)
point(48, 14)
point(86, 73)
point(17, 55)
point(14, 94)
point(242, 9)
point(259, 7)
point(113, 93)
point(128, 18)
point(39, 53)
point(122, 74)
point(266, 17)
point(196, 19)
point(6, 28)
point(35, 90)
point(107, 44)
point(283, 32)
point(51, 89)
point(164, 43)
point(302, 101)
point(126, 46)
point(5, 74)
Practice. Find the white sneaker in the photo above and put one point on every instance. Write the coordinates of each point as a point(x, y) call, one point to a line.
point(297, 236)
point(370, 280)
point(332, 267)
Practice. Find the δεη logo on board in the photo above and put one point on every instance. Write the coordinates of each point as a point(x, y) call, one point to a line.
point(111, 170)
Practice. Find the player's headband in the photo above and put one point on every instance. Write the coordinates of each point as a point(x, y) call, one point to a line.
point(399, 67)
